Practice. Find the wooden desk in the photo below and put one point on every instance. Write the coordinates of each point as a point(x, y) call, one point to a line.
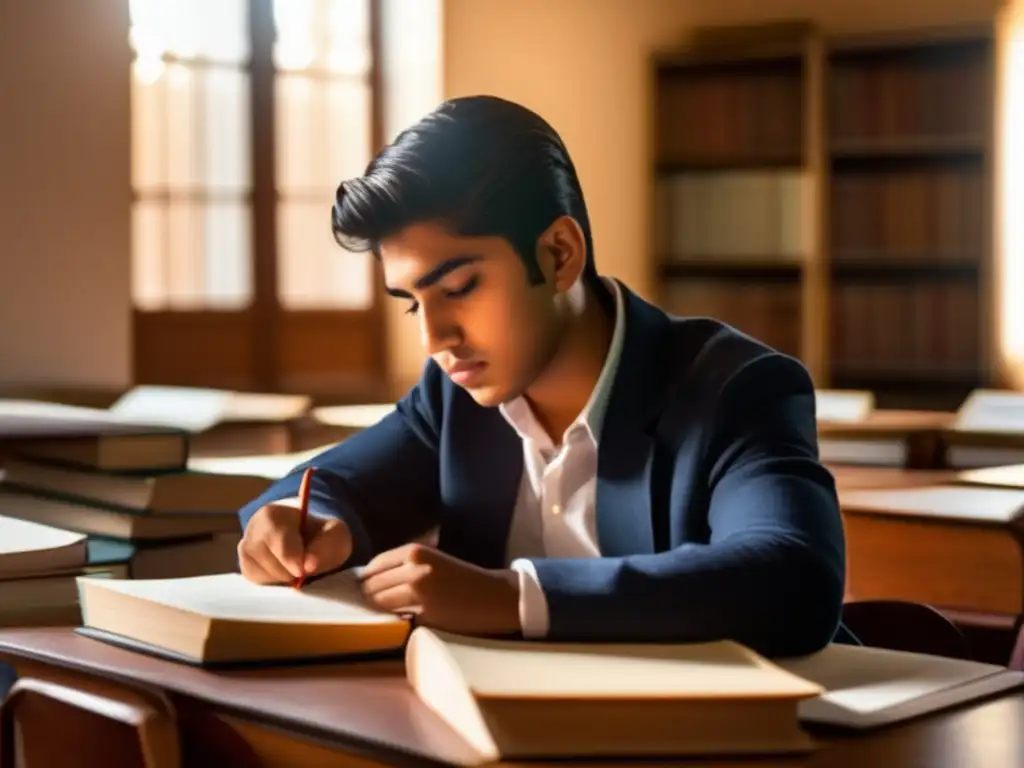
point(851, 478)
point(950, 546)
point(365, 715)
point(890, 438)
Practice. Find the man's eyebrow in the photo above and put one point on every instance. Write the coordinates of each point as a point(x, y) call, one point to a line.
point(443, 269)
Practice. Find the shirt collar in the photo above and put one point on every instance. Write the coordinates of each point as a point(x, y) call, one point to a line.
point(518, 413)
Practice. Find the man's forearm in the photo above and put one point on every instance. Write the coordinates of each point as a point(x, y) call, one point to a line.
point(772, 595)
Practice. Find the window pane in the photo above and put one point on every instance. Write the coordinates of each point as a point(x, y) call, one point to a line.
point(228, 255)
point(348, 130)
point(184, 269)
point(297, 118)
point(225, 121)
point(313, 271)
point(182, 121)
point(148, 120)
point(148, 229)
point(349, 46)
point(323, 132)
point(323, 34)
point(224, 30)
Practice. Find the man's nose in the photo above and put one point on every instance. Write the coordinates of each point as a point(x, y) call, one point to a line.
point(438, 331)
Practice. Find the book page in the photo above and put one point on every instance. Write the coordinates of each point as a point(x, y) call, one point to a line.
point(996, 505)
point(17, 536)
point(252, 406)
point(530, 669)
point(189, 408)
point(273, 466)
point(334, 599)
point(355, 416)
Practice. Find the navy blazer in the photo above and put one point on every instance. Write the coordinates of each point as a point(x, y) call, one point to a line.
point(715, 518)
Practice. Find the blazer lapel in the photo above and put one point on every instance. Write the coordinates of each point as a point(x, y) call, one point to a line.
point(626, 446)
point(482, 480)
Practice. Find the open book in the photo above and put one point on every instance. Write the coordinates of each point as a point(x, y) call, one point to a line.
point(224, 618)
point(515, 699)
point(31, 548)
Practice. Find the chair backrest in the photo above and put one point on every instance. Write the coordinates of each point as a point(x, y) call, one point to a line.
point(900, 625)
point(1017, 655)
point(44, 723)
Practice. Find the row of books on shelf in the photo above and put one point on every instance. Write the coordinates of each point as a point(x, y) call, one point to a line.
point(733, 215)
point(707, 115)
point(932, 213)
point(915, 327)
point(907, 96)
point(770, 312)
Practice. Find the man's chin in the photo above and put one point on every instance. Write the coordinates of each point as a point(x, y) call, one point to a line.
point(488, 396)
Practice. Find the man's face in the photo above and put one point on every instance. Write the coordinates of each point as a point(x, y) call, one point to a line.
point(480, 319)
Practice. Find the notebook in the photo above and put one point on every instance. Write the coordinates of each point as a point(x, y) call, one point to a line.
point(225, 619)
point(871, 687)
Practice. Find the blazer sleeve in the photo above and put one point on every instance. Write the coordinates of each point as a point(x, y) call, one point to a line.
point(771, 575)
point(383, 481)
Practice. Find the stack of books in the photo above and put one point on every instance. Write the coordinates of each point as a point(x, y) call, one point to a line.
point(121, 491)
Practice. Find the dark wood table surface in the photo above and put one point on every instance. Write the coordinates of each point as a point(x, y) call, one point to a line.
point(365, 714)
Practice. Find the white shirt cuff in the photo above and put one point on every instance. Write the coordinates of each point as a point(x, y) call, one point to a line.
point(533, 605)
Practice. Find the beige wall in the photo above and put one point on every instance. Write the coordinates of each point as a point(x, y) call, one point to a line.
point(64, 146)
point(64, 195)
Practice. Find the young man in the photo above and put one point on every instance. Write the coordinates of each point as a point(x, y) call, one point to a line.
point(597, 469)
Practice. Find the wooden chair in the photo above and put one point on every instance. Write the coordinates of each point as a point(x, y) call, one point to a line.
point(96, 725)
point(905, 626)
point(1017, 656)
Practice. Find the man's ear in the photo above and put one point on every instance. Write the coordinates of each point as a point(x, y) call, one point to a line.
point(565, 249)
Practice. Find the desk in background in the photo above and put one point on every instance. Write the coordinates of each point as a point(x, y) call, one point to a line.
point(955, 547)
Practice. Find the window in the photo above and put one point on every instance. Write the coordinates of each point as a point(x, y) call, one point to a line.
point(1010, 232)
point(191, 154)
point(323, 101)
point(192, 169)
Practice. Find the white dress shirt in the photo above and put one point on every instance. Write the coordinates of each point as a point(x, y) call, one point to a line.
point(555, 512)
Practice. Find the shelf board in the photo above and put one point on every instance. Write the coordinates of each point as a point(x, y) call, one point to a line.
point(917, 268)
point(782, 160)
point(908, 147)
point(733, 269)
point(910, 378)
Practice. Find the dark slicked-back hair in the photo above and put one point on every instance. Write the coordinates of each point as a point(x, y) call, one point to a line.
point(480, 166)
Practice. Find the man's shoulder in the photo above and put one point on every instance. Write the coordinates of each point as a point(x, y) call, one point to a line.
point(713, 359)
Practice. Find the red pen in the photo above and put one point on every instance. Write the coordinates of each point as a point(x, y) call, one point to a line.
point(303, 512)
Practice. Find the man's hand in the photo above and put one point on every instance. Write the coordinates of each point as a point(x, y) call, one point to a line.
point(443, 592)
point(274, 550)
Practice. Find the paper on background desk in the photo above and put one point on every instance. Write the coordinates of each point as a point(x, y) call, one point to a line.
point(197, 409)
point(992, 410)
point(842, 405)
point(869, 687)
point(272, 465)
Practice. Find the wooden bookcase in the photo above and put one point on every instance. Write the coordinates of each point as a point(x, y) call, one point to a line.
point(831, 196)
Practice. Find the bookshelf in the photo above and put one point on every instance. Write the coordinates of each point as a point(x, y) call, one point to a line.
point(830, 196)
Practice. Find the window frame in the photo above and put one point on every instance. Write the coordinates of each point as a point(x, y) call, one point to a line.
point(337, 355)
